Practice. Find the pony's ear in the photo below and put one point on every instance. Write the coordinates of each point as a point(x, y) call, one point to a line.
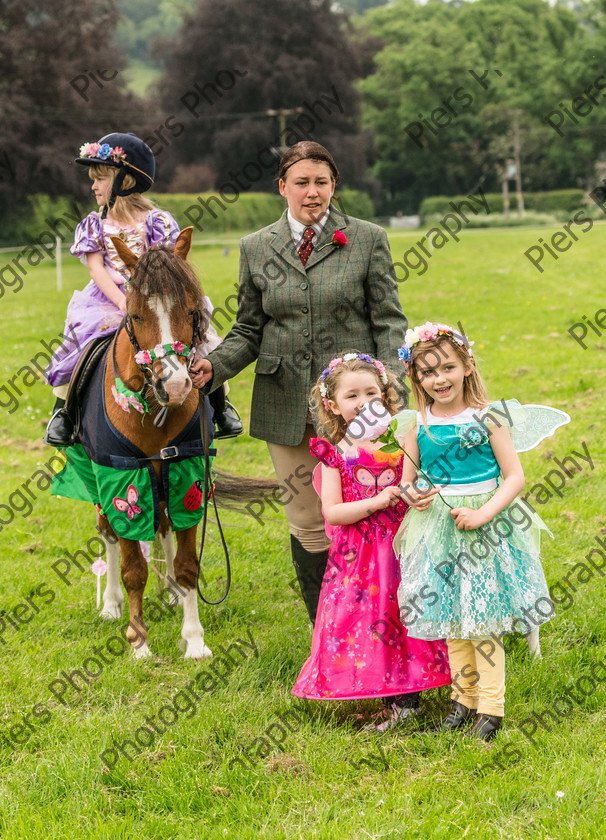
point(183, 243)
point(124, 252)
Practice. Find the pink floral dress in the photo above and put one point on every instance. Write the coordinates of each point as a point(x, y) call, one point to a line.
point(360, 648)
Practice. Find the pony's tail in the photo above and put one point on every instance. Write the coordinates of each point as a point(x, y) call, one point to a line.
point(233, 491)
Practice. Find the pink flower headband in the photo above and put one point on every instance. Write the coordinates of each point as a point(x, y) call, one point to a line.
point(427, 332)
point(348, 357)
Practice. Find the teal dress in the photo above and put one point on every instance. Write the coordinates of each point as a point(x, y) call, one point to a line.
point(472, 584)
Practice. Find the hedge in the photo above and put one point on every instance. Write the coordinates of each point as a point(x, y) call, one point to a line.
point(210, 213)
point(565, 201)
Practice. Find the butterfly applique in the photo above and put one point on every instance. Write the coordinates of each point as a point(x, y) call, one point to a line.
point(371, 482)
point(128, 505)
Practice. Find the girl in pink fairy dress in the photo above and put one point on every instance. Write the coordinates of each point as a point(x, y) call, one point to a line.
point(360, 649)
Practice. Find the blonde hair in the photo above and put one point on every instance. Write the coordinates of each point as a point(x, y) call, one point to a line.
point(474, 391)
point(332, 426)
point(127, 208)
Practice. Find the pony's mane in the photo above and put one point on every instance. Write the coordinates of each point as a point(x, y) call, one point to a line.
point(160, 271)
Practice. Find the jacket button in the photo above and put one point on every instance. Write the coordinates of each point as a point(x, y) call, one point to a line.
point(303, 286)
point(306, 356)
point(304, 310)
point(306, 333)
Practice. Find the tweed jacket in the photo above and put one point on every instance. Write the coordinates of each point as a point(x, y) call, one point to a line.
point(293, 319)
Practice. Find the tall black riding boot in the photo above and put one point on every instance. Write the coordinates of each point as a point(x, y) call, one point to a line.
point(310, 568)
point(227, 418)
point(60, 429)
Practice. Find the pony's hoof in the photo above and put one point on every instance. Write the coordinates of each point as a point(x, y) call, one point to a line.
point(111, 611)
point(197, 650)
point(142, 651)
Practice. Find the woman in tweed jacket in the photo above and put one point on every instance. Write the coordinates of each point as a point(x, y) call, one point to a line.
point(313, 284)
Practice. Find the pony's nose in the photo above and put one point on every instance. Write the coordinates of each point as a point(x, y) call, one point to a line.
point(174, 390)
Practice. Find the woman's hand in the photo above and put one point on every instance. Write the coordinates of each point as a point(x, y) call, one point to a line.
point(418, 499)
point(201, 372)
point(388, 497)
point(122, 304)
point(467, 519)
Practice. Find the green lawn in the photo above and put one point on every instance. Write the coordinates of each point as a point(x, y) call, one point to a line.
point(324, 777)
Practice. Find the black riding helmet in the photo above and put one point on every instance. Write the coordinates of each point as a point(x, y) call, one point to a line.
point(127, 153)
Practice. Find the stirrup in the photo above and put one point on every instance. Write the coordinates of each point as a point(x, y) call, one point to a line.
point(237, 427)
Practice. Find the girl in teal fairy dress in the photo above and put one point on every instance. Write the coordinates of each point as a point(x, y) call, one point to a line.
point(468, 548)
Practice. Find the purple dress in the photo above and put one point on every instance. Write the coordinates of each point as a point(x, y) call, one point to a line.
point(90, 313)
point(359, 647)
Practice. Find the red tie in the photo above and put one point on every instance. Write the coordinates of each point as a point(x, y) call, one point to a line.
point(307, 245)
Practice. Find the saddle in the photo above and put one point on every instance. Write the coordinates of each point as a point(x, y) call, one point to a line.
point(86, 365)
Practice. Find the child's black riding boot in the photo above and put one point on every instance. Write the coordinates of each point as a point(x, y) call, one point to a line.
point(60, 429)
point(227, 418)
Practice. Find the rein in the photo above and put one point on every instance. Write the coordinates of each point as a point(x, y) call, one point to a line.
point(144, 359)
point(207, 495)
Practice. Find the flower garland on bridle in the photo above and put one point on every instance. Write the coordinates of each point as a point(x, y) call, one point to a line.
point(348, 357)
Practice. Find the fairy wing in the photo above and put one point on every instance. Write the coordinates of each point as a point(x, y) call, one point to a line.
point(529, 425)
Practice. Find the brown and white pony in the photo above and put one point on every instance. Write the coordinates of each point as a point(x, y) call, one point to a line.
point(164, 304)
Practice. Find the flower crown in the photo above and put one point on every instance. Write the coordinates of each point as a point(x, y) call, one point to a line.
point(348, 357)
point(427, 332)
point(102, 152)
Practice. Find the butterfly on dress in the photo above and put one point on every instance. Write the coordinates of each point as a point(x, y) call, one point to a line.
point(372, 483)
point(128, 505)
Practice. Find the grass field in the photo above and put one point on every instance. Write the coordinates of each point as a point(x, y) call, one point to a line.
point(323, 775)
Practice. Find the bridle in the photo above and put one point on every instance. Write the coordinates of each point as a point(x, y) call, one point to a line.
point(145, 358)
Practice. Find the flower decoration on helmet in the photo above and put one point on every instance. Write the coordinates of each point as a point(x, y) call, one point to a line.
point(102, 152)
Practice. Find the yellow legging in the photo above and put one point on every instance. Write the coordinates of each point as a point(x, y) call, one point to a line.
point(478, 674)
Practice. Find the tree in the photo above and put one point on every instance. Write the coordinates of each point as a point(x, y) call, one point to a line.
point(235, 65)
point(448, 78)
point(61, 85)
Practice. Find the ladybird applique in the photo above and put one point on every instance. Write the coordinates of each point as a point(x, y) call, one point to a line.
point(195, 496)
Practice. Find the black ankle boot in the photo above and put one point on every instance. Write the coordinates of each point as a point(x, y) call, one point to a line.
point(227, 418)
point(485, 727)
point(310, 568)
point(60, 429)
point(459, 715)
